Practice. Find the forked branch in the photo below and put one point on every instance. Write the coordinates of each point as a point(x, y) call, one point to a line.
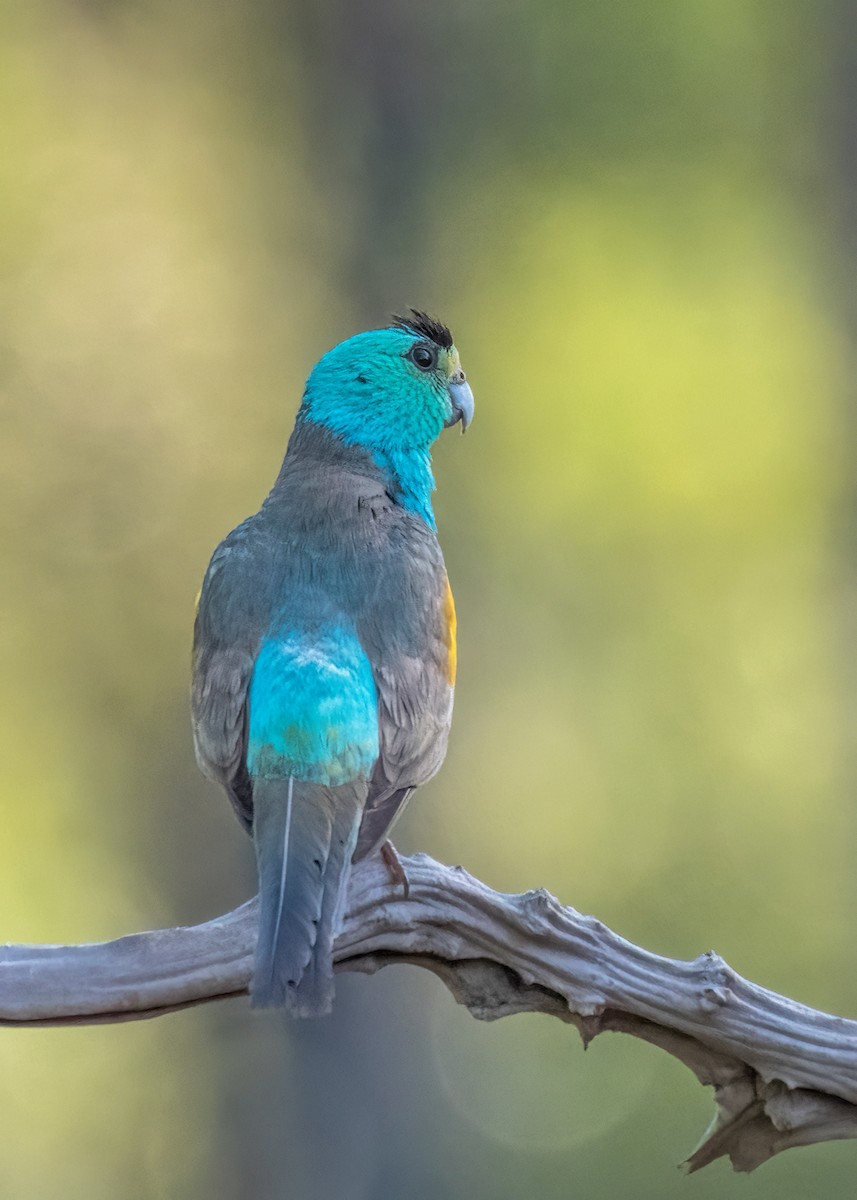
point(783, 1074)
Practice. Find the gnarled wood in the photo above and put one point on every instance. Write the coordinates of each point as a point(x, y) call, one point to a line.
point(784, 1074)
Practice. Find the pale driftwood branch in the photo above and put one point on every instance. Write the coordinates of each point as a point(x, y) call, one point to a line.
point(784, 1074)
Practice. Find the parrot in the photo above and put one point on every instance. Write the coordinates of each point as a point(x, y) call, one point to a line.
point(324, 649)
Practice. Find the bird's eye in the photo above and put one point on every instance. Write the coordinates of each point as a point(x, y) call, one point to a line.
point(424, 358)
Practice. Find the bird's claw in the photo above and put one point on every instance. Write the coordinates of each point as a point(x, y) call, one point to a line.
point(394, 865)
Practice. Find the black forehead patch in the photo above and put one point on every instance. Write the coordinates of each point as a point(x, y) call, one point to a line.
point(425, 326)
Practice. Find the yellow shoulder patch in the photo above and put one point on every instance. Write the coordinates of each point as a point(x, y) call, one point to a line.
point(451, 625)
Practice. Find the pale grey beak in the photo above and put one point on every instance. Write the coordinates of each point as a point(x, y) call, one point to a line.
point(461, 398)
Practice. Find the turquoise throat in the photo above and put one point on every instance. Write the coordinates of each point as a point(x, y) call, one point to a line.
point(410, 472)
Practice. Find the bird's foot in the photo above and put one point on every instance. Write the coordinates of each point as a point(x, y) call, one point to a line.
point(394, 865)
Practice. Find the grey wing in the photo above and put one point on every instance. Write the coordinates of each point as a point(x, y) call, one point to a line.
point(221, 680)
point(230, 620)
point(414, 717)
point(378, 821)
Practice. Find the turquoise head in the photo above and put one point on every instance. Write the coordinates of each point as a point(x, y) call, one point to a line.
point(392, 391)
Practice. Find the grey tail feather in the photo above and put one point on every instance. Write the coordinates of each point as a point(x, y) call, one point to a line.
point(317, 983)
point(304, 835)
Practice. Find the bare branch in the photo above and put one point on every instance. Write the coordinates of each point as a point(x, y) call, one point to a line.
point(784, 1074)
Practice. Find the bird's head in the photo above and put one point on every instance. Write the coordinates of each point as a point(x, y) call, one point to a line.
point(391, 390)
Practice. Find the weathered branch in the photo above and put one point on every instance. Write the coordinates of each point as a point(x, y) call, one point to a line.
point(784, 1074)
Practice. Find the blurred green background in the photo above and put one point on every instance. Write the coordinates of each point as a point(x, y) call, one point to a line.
point(639, 220)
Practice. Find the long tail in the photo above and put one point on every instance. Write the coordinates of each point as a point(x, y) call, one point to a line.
point(305, 835)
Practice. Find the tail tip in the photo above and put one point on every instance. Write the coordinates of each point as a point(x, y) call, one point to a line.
point(297, 1001)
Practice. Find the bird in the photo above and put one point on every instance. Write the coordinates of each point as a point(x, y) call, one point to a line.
point(324, 652)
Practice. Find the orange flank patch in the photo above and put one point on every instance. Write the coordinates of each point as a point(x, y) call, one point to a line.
point(449, 637)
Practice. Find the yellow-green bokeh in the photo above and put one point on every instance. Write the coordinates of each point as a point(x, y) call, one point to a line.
point(619, 209)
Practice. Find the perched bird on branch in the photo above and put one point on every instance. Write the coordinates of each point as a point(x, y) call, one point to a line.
point(324, 646)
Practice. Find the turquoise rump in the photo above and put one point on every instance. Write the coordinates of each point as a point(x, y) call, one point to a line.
point(313, 708)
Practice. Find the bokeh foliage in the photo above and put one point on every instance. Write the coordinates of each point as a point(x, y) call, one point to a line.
point(622, 211)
